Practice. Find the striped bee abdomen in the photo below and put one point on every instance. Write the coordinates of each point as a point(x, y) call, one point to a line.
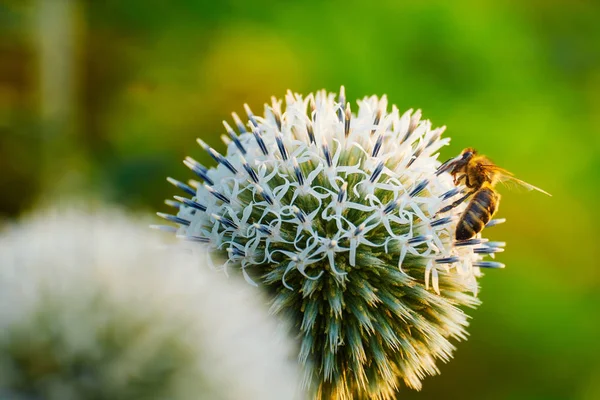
point(479, 211)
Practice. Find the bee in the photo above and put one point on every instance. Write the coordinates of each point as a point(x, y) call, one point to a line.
point(480, 175)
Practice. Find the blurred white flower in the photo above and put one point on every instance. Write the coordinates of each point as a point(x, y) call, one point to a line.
point(91, 308)
point(348, 224)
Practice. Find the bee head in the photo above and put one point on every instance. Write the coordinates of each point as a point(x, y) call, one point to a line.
point(458, 163)
point(468, 153)
point(463, 159)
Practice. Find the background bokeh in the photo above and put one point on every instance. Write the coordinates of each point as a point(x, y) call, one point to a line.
point(103, 99)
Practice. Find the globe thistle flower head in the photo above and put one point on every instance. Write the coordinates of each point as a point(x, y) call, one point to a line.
point(345, 219)
point(91, 308)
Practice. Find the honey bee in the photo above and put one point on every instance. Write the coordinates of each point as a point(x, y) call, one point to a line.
point(480, 175)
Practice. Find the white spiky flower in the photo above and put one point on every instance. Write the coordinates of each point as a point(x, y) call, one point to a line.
point(346, 221)
point(90, 308)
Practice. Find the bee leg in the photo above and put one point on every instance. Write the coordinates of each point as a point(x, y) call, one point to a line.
point(456, 203)
point(457, 179)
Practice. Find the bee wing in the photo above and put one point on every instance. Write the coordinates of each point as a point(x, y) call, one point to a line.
point(506, 177)
point(526, 185)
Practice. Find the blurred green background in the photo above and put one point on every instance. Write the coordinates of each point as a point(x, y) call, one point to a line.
point(104, 98)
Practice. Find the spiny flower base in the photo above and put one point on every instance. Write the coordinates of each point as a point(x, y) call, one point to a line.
point(365, 333)
point(336, 216)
